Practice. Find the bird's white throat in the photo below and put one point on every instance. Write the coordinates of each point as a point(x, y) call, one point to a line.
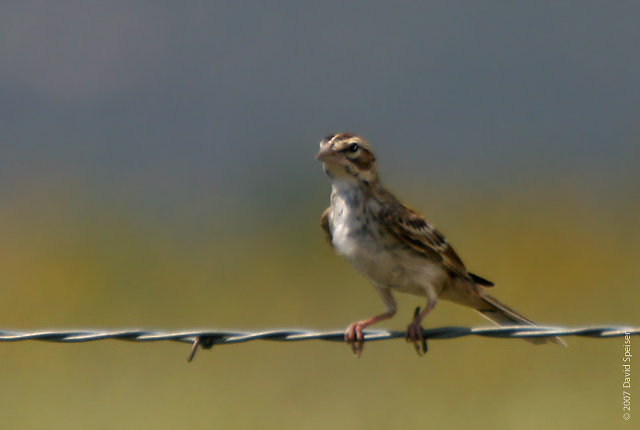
point(348, 221)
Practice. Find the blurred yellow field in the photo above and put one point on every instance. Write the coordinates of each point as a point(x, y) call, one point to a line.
point(67, 266)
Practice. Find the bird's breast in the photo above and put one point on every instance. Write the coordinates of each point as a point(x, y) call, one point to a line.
point(359, 237)
point(358, 233)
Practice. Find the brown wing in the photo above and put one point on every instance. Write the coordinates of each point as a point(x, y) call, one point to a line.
point(479, 280)
point(324, 223)
point(411, 228)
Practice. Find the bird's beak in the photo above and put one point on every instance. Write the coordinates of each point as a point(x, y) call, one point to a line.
point(327, 154)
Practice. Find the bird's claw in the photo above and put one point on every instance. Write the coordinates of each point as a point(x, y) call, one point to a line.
point(415, 334)
point(355, 338)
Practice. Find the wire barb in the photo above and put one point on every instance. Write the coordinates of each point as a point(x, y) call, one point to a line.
point(206, 342)
point(208, 338)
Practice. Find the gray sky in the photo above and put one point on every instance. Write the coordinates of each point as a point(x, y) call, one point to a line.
point(157, 97)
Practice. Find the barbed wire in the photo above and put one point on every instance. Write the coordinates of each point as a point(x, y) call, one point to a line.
point(208, 338)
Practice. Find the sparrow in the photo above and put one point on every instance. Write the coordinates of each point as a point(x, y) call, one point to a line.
point(395, 248)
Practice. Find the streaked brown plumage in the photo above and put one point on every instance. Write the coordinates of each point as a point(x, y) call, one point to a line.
point(394, 247)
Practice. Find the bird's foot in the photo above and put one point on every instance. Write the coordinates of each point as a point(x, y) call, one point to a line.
point(355, 338)
point(415, 334)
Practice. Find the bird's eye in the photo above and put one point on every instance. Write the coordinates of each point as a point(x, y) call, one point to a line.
point(353, 147)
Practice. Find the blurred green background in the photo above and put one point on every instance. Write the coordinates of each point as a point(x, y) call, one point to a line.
point(157, 171)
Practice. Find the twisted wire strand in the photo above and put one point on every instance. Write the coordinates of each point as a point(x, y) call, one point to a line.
point(208, 338)
point(291, 335)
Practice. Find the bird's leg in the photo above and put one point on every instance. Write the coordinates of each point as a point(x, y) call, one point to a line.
point(354, 336)
point(414, 331)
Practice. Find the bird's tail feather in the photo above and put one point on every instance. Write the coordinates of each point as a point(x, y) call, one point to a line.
point(501, 314)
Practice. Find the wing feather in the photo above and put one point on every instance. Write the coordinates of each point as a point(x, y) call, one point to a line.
point(412, 229)
point(324, 223)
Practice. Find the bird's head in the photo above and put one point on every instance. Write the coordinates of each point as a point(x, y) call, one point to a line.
point(346, 156)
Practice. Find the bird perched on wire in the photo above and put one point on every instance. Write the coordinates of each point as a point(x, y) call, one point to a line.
point(394, 247)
